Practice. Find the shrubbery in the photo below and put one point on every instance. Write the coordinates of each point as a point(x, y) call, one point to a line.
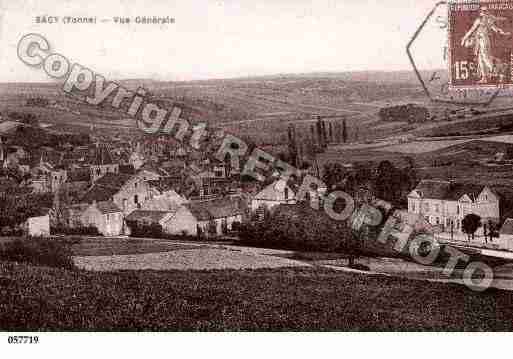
point(154, 230)
point(297, 228)
point(38, 251)
point(85, 230)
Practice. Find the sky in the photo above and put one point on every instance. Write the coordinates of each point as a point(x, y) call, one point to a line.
point(223, 38)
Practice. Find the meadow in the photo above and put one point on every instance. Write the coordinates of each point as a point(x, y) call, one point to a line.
point(47, 299)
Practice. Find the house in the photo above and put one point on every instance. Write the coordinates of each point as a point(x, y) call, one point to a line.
point(58, 177)
point(445, 204)
point(105, 216)
point(77, 182)
point(273, 195)
point(136, 158)
point(149, 217)
point(71, 215)
point(164, 202)
point(506, 235)
point(102, 163)
point(48, 177)
point(214, 217)
point(208, 218)
point(128, 192)
point(39, 184)
point(37, 226)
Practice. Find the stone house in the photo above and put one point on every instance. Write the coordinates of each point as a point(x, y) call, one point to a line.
point(212, 218)
point(444, 204)
point(37, 226)
point(128, 192)
point(105, 216)
point(102, 163)
point(149, 217)
point(273, 195)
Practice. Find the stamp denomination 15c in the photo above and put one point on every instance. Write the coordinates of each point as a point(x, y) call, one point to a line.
point(480, 42)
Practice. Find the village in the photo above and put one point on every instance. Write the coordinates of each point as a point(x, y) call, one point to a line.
point(156, 187)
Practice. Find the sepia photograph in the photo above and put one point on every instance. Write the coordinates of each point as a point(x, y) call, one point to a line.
point(285, 166)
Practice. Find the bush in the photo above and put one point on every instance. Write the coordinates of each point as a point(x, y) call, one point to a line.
point(38, 251)
point(154, 230)
point(296, 228)
point(90, 230)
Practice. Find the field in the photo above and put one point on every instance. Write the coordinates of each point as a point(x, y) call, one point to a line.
point(422, 146)
point(114, 246)
point(260, 108)
point(38, 298)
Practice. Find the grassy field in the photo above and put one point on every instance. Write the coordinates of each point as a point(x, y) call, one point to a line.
point(39, 298)
point(112, 246)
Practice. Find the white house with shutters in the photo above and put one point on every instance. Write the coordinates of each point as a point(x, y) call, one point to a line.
point(444, 204)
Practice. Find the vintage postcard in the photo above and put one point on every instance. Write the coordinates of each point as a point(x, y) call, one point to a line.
point(254, 166)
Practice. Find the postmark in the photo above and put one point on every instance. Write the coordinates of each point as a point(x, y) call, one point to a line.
point(480, 44)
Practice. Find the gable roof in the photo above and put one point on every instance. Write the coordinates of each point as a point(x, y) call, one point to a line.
point(163, 203)
point(106, 187)
point(213, 209)
point(275, 192)
point(102, 156)
point(114, 180)
point(445, 190)
point(99, 194)
point(147, 216)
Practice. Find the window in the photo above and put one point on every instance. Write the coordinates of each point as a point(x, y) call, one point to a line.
point(458, 209)
point(135, 185)
point(437, 208)
point(413, 206)
point(426, 207)
point(437, 220)
point(136, 199)
point(286, 193)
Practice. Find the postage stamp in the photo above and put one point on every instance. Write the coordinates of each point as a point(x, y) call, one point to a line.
point(480, 44)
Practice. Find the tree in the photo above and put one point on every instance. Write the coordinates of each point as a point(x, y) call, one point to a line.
point(387, 185)
point(471, 222)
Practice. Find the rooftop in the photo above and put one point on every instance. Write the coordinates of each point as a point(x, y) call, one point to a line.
point(218, 208)
point(147, 216)
point(438, 189)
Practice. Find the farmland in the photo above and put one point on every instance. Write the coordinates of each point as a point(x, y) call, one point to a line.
point(260, 108)
point(39, 298)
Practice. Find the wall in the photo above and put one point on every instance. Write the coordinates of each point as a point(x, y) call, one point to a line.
point(39, 226)
point(109, 224)
point(183, 220)
point(134, 187)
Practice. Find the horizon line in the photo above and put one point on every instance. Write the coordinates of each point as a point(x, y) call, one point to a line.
point(277, 74)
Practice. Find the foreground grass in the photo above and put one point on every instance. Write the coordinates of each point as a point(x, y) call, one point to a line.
point(39, 298)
